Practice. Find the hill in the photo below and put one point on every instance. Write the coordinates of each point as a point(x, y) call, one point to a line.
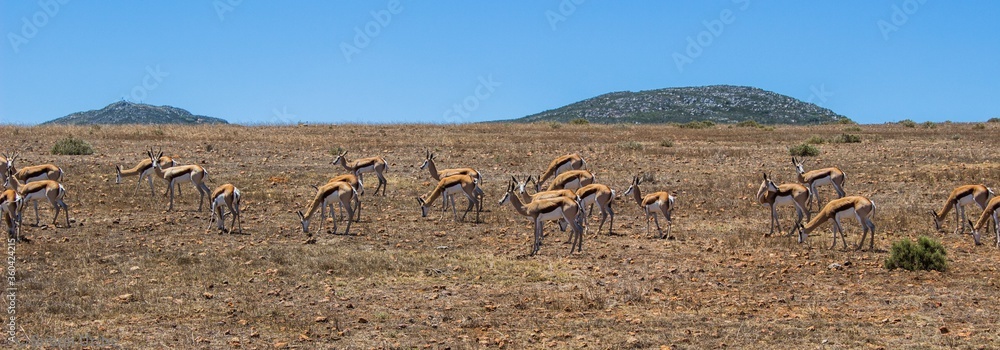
point(124, 112)
point(717, 103)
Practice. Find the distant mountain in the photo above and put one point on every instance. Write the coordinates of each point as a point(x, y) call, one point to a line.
point(124, 112)
point(717, 103)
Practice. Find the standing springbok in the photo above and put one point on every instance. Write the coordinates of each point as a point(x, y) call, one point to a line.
point(528, 198)
point(10, 210)
point(325, 195)
point(180, 174)
point(33, 173)
point(437, 175)
point(570, 180)
point(33, 191)
point(146, 171)
point(990, 212)
point(562, 164)
point(960, 197)
point(550, 209)
point(859, 207)
point(604, 196)
point(651, 204)
point(772, 195)
point(820, 177)
point(361, 166)
point(451, 186)
point(229, 196)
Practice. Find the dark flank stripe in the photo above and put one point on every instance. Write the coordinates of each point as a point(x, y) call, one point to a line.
point(588, 192)
point(367, 163)
point(37, 172)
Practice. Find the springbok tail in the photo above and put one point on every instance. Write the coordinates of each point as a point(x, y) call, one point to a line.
point(873, 209)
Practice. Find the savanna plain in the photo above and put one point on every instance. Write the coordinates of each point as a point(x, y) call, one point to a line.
point(136, 276)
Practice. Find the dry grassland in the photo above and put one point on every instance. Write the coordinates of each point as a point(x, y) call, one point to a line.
point(130, 273)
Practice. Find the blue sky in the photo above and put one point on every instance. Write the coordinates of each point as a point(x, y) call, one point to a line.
point(463, 61)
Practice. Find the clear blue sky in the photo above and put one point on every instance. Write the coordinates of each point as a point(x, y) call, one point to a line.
point(284, 61)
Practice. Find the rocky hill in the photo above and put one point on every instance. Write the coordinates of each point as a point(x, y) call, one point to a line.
point(124, 112)
point(717, 103)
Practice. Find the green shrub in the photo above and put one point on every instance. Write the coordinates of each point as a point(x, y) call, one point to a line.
point(749, 124)
point(908, 123)
point(852, 129)
point(979, 127)
point(72, 147)
point(631, 145)
point(845, 121)
point(579, 121)
point(929, 124)
point(993, 120)
point(816, 140)
point(847, 138)
point(804, 150)
point(667, 143)
point(555, 125)
point(697, 125)
point(925, 254)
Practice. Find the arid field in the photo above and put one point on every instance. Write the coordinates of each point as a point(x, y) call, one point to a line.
point(132, 275)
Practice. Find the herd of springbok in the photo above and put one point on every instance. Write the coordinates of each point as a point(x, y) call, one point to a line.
point(568, 199)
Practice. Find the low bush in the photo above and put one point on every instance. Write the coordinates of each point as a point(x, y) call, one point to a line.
point(804, 150)
point(847, 138)
point(72, 146)
point(925, 254)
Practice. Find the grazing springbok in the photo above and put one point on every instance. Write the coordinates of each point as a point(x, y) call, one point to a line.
point(960, 197)
point(550, 209)
point(146, 171)
point(341, 192)
point(180, 174)
point(772, 195)
point(990, 212)
point(858, 207)
point(33, 191)
point(359, 187)
point(228, 196)
point(437, 175)
point(651, 204)
point(560, 165)
point(570, 180)
point(361, 166)
point(453, 185)
point(820, 177)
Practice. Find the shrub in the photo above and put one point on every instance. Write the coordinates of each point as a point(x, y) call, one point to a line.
point(979, 127)
point(749, 124)
point(804, 150)
point(925, 254)
point(847, 138)
point(845, 121)
point(697, 125)
point(816, 140)
point(555, 125)
point(631, 145)
point(667, 143)
point(579, 121)
point(72, 147)
point(929, 124)
point(908, 123)
point(993, 120)
point(852, 129)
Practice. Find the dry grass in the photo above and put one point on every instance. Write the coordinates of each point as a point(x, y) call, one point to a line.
point(131, 273)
